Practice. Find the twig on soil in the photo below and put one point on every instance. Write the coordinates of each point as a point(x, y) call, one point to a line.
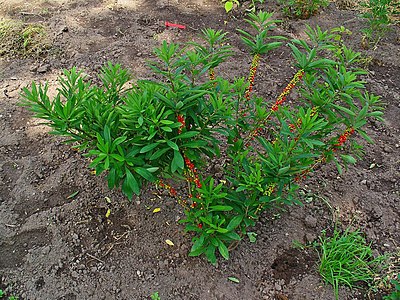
point(82, 222)
point(95, 258)
point(108, 251)
point(11, 225)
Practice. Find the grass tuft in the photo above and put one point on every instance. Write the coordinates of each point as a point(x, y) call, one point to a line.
point(347, 259)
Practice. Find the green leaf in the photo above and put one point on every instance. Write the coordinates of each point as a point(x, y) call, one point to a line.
point(348, 158)
point(166, 129)
point(234, 279)
point(220, 208)
point(283, 170)
point(233, 236)
point(107, 134)
point(159, 153)
point(234, 223)
point(73, 195)
point(130, 185)
point(346, 110)
point(187, 135)
point(198, 244)
point(223, 250)
point(210, 254)
point(177, 162)
point(172, 145)
point(117, 157)
point(252, 237)
point(166, 122)
point(145, 174)
point(112, 178)
point(228, 6)
point(148, 148)
point(140, 121)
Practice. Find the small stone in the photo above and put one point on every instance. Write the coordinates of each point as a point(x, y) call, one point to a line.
point(46, 250)
point(387, 149)
point(33, 68)
point(364, 181)
point(43, 69)
point(74, 274)
point(277, 287)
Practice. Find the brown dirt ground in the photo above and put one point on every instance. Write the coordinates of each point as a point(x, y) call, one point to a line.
point(52, 247)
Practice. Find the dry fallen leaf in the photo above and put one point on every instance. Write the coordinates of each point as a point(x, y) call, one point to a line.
point(156, 210)
point(169, 242)
point(108, 213)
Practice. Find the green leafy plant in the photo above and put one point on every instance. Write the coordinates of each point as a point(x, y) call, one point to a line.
point(377, 13)
point(20, 39)
point(347, 259)
point(155, 296)
point(229, 4)
point(302, 9)
point(172, 129)
point(2, 294)
point(396, 291)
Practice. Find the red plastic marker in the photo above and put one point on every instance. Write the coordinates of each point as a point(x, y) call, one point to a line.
point(168, 24)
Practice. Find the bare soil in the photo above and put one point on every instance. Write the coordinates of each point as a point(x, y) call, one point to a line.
point(53, 246)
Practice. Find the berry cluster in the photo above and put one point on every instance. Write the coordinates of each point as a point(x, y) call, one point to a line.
point(192, 172)
point(343, 138)
point(282, 97)
point(169, 188)
point(181, 119)
point(253, 70)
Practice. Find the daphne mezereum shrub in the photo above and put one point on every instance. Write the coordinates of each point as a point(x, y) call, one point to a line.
point(170, 130)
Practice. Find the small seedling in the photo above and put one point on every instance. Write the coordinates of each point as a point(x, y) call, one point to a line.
point(234, 279)
point(229, 4)
point(252, 236)
point(155, 296)
point(395, 295)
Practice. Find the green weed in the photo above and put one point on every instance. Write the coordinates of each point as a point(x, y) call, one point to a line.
point(22, 40)
point(377, 13)
point(302, 9)
point(347, 259)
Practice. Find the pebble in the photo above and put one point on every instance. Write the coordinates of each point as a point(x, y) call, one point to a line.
point(387, 149)
point(43, 68)
point(46, 250)
point(33, 68)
